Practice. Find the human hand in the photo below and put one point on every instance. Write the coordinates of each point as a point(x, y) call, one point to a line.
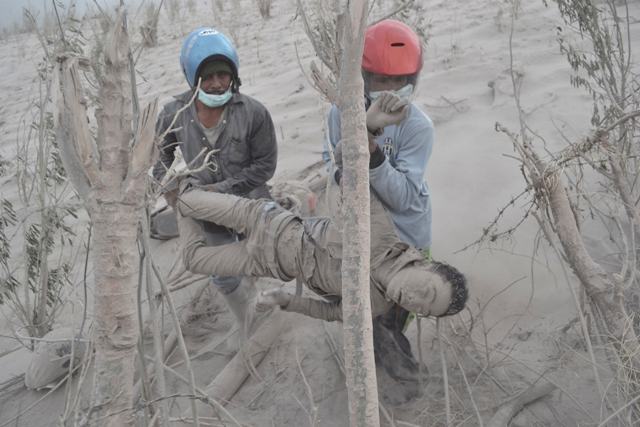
point(387, 109)
point(271, 298)
point(171, 197)
point(208, 187)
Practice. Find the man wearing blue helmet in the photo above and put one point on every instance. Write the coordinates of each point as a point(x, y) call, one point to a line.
point(235, 126)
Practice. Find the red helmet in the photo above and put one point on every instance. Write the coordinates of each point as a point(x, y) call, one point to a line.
point(391, 48)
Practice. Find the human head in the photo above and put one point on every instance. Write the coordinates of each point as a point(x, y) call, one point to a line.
point(216, 76)
point(391, 59)
point(429, 288)
point(203, 47)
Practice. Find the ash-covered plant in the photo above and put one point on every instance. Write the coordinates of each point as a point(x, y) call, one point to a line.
point(217, 6)
point(36, 243)
point(264, 7)
point(149, 28)
point(173, 9)
point(591, 187)
point(603, 65)
point(320, 23)
point(414, 14)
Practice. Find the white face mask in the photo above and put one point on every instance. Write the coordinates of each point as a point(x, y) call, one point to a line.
point(403, 93)
point(211, 100)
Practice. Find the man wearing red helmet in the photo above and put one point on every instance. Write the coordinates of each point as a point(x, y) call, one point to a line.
point(399, 152)
point(391, 64)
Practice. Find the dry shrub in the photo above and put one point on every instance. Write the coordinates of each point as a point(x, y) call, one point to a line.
point(172, 8)
point(149, 30)
point(37, 246)
point(414, 14)
point(321, 26)
point(264, 7)
point(590, 185)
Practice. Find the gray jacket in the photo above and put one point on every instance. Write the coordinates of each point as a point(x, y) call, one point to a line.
point(247, 143)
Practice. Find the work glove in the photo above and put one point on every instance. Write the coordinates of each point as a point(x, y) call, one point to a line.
point(388, 109)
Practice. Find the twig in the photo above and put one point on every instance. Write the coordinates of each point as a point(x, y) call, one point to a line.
point(317, 80)
point(468, 386)
point(55, 8)
point(183, 283)
point(83, 376)
point(19, 338)
point(193, 397)
point(181, 343)
point(31, 406)
point(171, 175)
point(333, 347)
point(445, 376)
point(453, 104)
point(161, 388)
point(314, 409)
point(218, 405)
point(509, 409)
point(419, 343)
point(84, 280)
point(555, 384)
point(617, 412)
point(404, 6)
point(177, 114)
point(4, 353)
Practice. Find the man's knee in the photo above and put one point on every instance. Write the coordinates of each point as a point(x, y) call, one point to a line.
point(188, 257)
point(185, 203)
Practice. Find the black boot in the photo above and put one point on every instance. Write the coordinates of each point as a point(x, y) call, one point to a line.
point(393, 355)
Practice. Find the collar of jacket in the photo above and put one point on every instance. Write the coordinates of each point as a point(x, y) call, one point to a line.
point(185, 97)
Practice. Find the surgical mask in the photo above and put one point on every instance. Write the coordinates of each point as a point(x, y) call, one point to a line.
point(403, 93)
point(211, 100)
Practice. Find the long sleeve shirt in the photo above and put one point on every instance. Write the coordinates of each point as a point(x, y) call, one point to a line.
point(247, 143)
point(398, 180)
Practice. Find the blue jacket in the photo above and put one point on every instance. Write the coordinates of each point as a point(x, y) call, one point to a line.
point(399, 180)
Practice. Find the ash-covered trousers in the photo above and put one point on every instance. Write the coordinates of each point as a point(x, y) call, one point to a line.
point(263, 222)
point(221, 236)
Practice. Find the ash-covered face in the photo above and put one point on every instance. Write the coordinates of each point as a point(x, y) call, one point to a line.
point(429, 289)
point(215, 77)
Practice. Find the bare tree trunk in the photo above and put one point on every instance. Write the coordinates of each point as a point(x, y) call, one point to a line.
point(599, 286)
point(110, 175)
point(115, 257)
point(356, 302)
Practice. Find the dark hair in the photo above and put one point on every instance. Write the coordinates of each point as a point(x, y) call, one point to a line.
point(459, 291)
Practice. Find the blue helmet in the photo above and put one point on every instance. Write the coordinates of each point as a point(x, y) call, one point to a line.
point(207, 43)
